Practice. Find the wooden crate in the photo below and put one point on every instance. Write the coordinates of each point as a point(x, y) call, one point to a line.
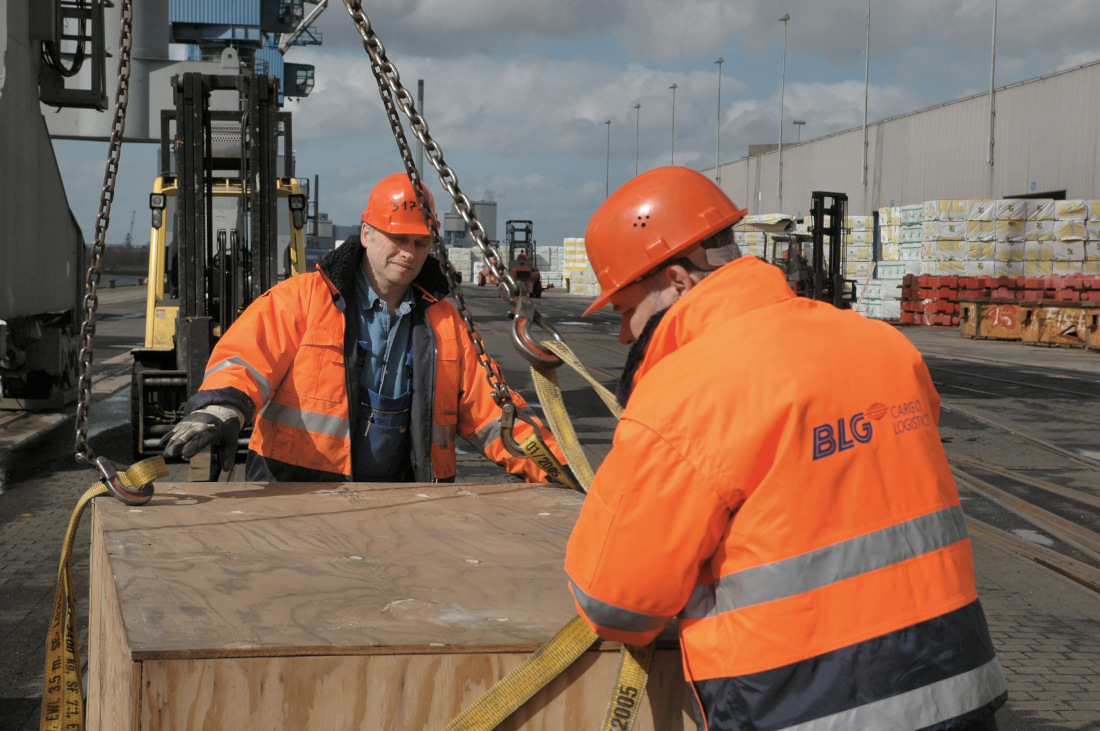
point(340, 606)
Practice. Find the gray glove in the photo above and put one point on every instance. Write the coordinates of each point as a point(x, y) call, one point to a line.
point(217, 426)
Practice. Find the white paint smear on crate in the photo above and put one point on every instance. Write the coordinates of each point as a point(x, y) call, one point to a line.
point(1033, 536)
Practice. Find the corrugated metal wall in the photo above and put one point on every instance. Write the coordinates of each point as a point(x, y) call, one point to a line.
point(1047, 138)
point(216, 12)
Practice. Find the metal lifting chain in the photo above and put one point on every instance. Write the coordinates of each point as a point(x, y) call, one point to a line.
point(523, 312)
point(91, 297)
point(501, 394)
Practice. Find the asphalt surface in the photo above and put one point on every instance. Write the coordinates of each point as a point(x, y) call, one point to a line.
point(1043, 625)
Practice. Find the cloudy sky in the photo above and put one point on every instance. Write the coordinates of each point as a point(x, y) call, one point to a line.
point(517, 92)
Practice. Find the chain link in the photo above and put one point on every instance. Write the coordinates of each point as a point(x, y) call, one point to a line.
point(91, 298)
point(387, 75)
point(501, 394)
point(389, 85)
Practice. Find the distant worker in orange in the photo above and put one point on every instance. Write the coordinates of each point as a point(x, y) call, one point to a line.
point(777, 485)
point(361, 370)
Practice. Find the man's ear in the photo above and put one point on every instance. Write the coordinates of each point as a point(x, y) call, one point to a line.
point(680, 278)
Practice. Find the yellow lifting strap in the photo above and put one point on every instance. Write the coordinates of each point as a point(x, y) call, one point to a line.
point(62, 694)
point(548, 662)
point(537, 451)
point(549, 393)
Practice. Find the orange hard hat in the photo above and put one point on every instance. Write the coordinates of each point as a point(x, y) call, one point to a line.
point(650, 220)
point(392, 207)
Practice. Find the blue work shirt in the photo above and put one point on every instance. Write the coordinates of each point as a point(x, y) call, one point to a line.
point(383, 345)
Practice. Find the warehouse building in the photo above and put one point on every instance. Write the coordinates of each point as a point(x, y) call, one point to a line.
point(1045, 143)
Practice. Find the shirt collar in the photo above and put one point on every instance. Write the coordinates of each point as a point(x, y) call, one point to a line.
point(368, 298)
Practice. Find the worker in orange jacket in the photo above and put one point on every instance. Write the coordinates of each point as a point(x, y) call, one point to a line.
point(777, 485)
point(359, 371)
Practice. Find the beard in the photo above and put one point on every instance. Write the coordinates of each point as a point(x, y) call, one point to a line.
point(635, 357)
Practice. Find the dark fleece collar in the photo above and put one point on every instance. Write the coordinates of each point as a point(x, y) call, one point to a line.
point(635, 356)
point(341, 264)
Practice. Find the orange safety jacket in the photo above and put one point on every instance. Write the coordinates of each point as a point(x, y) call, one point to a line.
point(777, 483)
point(291, 359)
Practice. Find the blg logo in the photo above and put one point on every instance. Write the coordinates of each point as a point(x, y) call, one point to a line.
point(829, 440)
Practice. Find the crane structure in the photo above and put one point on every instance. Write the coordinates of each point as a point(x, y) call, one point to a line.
point(56, 68)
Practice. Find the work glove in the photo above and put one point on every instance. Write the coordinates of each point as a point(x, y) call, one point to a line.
point(216, 426)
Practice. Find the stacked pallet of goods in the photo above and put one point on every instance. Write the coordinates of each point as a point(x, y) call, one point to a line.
point(577, 271)
point(462, 260)
point(975, 238)
point(899, 254)
point(859, 263)
point(551, 262)
point(756, 243)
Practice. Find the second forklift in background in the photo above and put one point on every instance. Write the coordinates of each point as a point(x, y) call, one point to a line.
point(810, 271)
point(520, 253)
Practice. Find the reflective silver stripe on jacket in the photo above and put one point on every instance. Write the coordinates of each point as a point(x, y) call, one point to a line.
point(828, 565)
point(333, 426)
point(921, 707)
point(608, 615)
point(443, 435)
point(486, 436)
point(265, 387)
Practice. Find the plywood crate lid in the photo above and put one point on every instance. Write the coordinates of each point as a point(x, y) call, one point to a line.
point(217, 569)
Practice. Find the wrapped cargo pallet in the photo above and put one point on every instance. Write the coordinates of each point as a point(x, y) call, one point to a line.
point(980, 230)
point(1039, 209)
point(1068, 251)
point(981, 251)
point(910, 252)
point(945, 210)
point(863, 223)
point(1011, 209)
point(1072, 210)
point(1039, 230)
point(940, 230)
point(1069, 230)
point(911, 234)
point(980, 210)
point(1010, 230)
point(1065, 268)
point(1009, 250)
point(768, 219)
point(909, 215)
point(978, 268)
point(1038, 250)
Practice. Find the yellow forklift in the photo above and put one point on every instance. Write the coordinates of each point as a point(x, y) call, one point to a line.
point(228, 219)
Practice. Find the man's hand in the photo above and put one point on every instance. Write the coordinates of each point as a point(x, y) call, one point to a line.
point(219, 426)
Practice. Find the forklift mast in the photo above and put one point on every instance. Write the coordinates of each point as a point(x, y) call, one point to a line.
point(217, 277)
point(520, 239)
point(828, 283)
point(215, 241)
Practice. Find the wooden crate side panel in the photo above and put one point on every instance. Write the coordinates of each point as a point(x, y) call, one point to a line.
point(114, 679)
point(398, 692)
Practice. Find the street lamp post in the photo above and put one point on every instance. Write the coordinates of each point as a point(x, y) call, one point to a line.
point(798, 123)
point(866, 80)
point(992, 66)
point(607, 184)
point(782, 82)
point(672, 155)
point(637, 129)
point(718, 129)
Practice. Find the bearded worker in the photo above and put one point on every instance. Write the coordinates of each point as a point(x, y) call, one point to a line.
point(777, 485)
